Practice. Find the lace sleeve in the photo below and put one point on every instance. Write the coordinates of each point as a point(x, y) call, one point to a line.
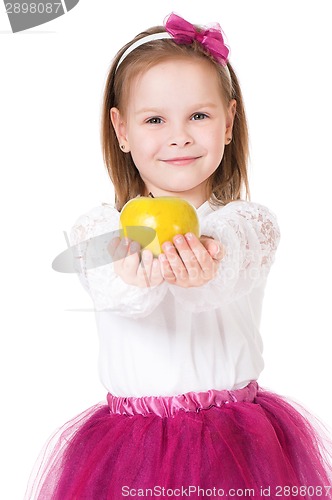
point(250, 234)
point(107, 290)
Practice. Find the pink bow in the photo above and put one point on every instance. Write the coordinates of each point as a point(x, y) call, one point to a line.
point(211, 39)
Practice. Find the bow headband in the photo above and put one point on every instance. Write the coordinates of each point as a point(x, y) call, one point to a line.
point(183, 32)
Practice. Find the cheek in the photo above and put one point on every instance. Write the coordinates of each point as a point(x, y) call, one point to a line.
point(215, 143)
point(145, 144)
point(143, 150)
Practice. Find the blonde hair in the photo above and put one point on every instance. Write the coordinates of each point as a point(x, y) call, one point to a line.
point(229, 180)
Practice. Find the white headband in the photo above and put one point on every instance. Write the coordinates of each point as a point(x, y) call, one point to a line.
point(141, 41)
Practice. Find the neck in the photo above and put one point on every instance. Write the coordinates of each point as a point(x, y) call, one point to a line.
point(196, 199)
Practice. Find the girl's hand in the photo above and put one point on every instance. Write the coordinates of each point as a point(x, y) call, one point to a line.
point(192, 261)
point(126, 254)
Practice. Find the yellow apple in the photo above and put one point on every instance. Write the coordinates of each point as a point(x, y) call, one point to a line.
point(166, 215)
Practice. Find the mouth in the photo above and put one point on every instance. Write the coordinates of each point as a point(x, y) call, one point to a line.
point(181, 160)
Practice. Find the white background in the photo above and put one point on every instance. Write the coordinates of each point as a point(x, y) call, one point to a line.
point(52, 171)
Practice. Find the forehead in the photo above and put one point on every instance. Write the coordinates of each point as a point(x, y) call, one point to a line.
point(181, 79)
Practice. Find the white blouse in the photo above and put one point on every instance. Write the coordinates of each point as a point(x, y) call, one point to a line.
point(167, 340)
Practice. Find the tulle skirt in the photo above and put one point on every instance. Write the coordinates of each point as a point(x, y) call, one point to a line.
point(244, 443)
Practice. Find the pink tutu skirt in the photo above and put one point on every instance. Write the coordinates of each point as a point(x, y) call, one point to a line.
point(243, 443)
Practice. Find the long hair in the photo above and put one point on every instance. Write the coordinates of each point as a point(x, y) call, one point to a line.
point(229, 182)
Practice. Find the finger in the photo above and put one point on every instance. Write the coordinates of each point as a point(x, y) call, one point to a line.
point(174, 260)
point(144, 270)
point(130, 263)
point(113, 245)
point(156, 276)
point(217, 252)
point(118, 250)
point(188, 257)
point(134, 247)
point(126, 248)
point(121, 249)
point(203, 257)
point(215, 248)
point(166, 270)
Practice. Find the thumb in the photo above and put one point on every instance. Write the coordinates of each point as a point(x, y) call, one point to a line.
point(215, 248)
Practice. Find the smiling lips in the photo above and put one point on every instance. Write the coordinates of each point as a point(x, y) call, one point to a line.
point(181, 160)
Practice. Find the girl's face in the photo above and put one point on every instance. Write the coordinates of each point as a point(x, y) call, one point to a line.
point(175, 126)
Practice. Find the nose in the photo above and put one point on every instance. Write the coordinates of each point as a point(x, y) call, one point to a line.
point(180, 136)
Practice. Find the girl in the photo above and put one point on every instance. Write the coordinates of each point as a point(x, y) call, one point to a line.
point(180, 347)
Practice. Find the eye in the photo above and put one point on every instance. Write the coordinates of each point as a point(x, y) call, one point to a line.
point(199, 116)
point(154, 120)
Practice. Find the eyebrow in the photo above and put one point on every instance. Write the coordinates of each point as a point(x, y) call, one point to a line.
point(160, 110)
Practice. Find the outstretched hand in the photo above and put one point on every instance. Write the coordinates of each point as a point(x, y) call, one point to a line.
point(142, 272)
point(190, 262)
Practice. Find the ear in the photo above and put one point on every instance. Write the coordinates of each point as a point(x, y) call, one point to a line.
point(230, 114)
point(120, 128)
